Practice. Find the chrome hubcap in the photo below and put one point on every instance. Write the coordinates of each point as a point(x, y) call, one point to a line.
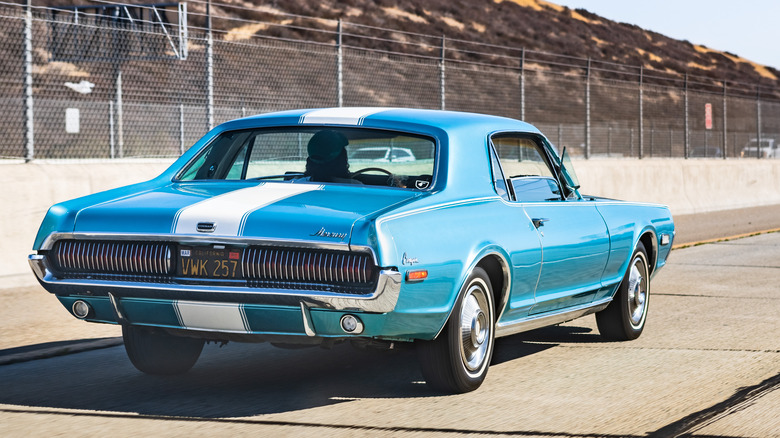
point(637, 291)
point(475, 327)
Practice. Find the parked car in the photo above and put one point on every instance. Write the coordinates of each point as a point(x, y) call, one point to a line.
point(236, 241)
point(768, 149)
point(707, 152)
point(383, 154)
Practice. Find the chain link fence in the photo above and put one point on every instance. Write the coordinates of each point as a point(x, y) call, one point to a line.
point(113, 81)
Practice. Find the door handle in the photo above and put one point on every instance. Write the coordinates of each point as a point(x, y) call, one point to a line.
point(539, 222)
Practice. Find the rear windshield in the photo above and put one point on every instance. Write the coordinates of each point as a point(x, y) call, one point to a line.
point(317, 155)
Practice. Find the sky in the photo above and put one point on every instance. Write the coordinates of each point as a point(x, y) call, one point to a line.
point(748, 28)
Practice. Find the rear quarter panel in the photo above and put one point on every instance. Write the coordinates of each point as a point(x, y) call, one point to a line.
point(447, 240)
point(628, 222)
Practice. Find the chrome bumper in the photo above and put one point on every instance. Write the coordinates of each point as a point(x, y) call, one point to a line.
point(382, 300)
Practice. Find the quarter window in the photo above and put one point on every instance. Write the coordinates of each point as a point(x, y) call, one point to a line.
point(498, 176)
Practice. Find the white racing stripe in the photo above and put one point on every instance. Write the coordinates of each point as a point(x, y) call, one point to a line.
point(340, 116)
point(226, 317)
point(229, 211)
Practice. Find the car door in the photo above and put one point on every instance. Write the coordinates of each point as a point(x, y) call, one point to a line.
point(573, 235)
point(521, 242)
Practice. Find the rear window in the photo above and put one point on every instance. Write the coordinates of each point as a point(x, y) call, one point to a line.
point(318, 155)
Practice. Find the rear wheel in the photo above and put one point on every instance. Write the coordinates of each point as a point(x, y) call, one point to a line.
point(154, 351)
point(624, 318)
point(457, 361)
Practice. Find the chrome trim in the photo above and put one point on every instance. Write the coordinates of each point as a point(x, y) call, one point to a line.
point(76, 313)
point(38, 265)
point(539, 321)
point(308, 326)
point(120, 318)
point(359, 327)
point(52, 238)
point(205, 227)
point(505, 292)
point(136, 258)
point(382, 300)
point(654, 249)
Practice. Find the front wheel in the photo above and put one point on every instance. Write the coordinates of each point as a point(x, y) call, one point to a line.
point(154, 351)
point(624, 318)
point(458, 359)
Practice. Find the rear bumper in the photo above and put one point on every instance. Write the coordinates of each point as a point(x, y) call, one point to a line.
point(382, 300)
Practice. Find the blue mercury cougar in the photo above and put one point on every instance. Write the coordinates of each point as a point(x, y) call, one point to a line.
point(273, 228)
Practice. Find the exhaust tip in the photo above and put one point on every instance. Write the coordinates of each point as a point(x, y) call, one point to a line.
point(351, 324)
point(81, 309)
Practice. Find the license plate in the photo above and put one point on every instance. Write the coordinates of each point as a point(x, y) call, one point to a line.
point(207, 262)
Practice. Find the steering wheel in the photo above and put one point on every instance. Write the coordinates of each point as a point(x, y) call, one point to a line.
point(372, 169)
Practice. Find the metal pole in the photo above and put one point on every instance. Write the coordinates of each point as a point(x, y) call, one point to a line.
point(181, 128)
point(587, 113)
point(339, 66)
point(28, 85)
point(652, 138)
point(725, 124)
point(209, 70)
point(111, 139)
point(441, 72)
point(758, 121)
point(687, 134)
point(641, 112)
point(522, 84)
point(120, 135)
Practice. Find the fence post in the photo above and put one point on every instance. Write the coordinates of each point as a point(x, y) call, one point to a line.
point(181, 127)
point(111, 139)
point(725, 124)
point(687, 134)
point(28, 85)
point(522, 84)
point(120, 127)
point(209, 70)
point(587, 112)
point(641, 112)
point(339, 66)
point(758, 121)
point(441, 72)
point(652, 139)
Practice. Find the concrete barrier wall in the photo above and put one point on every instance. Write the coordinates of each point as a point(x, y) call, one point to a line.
point(28, 190)
point(687, 186)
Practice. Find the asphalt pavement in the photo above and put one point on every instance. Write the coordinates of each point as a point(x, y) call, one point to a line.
point(707, 365)
point(694, 228)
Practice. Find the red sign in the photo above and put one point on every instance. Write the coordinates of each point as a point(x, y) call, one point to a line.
point(708, 115)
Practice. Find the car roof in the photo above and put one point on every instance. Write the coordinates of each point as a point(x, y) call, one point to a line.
point(381, 117)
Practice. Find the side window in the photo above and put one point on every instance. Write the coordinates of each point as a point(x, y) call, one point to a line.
point(498, 176)
point(527, 168)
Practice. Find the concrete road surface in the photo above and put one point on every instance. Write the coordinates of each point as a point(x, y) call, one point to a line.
point(708, 364)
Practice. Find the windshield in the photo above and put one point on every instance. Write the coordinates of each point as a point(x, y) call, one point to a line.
point(317, 154)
